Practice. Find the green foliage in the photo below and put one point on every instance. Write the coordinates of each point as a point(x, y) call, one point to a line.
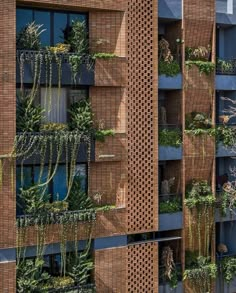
point(28, 116)
point(100, 134)
point(30, 276)
point(228, 265)
point(200, 53)
point(57, 283)
point(78, 38)
point(225, 66)
point(51, 127)
point(201, 271)
point(204, 67)
point(33, 200)
point(168, 68)
point(172, 205)
point(168, 137)
point(29, 37)
point(197, 120)
point(81, 117)
point(226, 135)
point(79, 267)
point(56, 206)
point(78, 199)
point(104, 56)
point(75, 62)
point(199, 193)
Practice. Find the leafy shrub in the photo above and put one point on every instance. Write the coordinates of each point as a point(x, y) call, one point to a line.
point(225, 66)
point(226, 135)
point(28, 116)
point(102, 133)
point(203, 66)
point(76, 36)
point(168, 68)
point(57, 282)
point(81, 117)
point(172, 205)
point(228, 268)
point(197, 120)
point(168, 137)
point(29, 37)
point(47, 127)
point(200, 53)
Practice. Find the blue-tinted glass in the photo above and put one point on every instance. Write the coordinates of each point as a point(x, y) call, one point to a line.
point(81, 173)
point(43, 178)
point(59, 184)
point(80, 17)
point(23, 17)
point(43, 17)
point(60, 23)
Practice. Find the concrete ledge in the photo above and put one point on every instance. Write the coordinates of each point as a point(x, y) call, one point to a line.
point(223, 151)
point(225, 82)
point(170, 221)
point(229, 216)
point(170, 83)
point(166, 288)
point(7, 255)
point(171, 9)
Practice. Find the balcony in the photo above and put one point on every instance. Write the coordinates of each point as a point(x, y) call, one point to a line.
point(224, 151)
point(230, 216)
point(30, 62)
point(166, 288)
point(170, 9)
point(170, 82)
point(226, 74)
point(170, 221)
point(167, 153)
point(225, 12)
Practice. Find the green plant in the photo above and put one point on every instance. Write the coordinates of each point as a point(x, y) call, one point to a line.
point(81, 117)
point(28, 116)
point(78, 199)
point(100, 134)
point(168, 137)
point(225, 66)
point(228, 266)
point(200, 53)
point(170, 273)
point(201, 274)
point(80, 266)
point(172, 205)
point(204, 67)
point(104, 56)
point(197, 120)
point(77, 37)
point(29, 37)
point(56, 206)
point(48, 127)
point(168, 68)
point(30, 276)
point(226, 135)
point(57, 283)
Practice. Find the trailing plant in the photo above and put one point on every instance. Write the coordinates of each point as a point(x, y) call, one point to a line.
point(204, 67)
point(28, 115)
point(101, 134)
point(53, 127)
point(170, 273)
point(81, 117)
point(226, 135)
point(172, 205)
point(201, 274)
point(30, 276)
point(228, 198)
point(29, 37)
point(75, 62)
point(228, 267)
point(104, 56)
point(171, 137)
point(169, 69)
point(200, 53)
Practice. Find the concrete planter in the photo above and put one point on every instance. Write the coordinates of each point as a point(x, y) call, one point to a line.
point(168, 82)
point(166, 288)
point(166, 153)
point(170, 221)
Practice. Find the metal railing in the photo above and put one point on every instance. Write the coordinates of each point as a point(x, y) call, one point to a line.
point(226, 66)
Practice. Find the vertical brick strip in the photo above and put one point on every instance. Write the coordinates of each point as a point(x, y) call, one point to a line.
point(142, 207)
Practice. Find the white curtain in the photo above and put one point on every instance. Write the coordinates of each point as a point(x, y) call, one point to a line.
point(56, 107)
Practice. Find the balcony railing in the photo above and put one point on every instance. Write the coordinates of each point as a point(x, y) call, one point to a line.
point(226, 66)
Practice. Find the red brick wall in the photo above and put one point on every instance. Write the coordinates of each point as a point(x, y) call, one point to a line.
point(8, 277)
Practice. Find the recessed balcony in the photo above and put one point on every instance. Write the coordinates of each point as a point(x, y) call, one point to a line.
point(170, 9)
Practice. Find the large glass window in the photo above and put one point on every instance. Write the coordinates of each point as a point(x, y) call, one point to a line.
point(54, 22)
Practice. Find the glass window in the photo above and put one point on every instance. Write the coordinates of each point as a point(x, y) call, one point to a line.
point(43, 17)
point(75, 17)
point(77, 95)
point(60, 24)
point(23, 17)
point(59, 184)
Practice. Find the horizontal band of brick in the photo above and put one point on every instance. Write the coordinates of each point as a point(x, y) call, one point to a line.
point(119, 5)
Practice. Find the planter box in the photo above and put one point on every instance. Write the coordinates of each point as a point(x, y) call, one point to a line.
point(166, 288)
point(228, 217)
point(111, 72)
point(166, 153)
point(223, 151)
point(81, 155)
point(85, 74)
point(171, 83)
point(170, 221)
point(171, 9)
point(225, 82)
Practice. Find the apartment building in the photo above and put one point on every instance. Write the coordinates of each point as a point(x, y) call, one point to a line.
point(117, 146)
